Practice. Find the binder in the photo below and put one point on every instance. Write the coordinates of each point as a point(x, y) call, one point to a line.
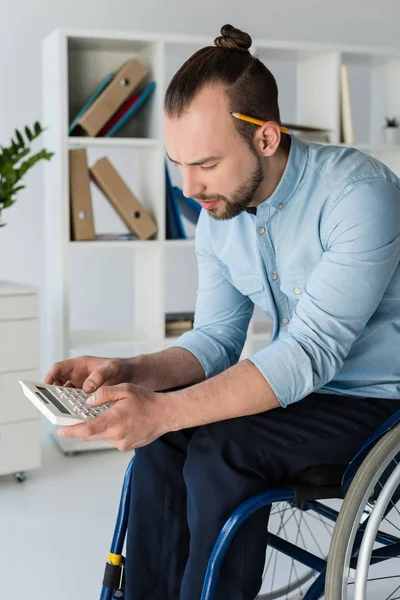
point(171, 228)
point(346, 117)
point(131, 110)
point(117, 91)
point(189, 208)
point(90, 101)
point(118, 115)
point(82, 227)
point(131, 211)
point(179, 231)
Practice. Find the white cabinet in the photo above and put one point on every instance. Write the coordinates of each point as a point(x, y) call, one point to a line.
point(19, 359)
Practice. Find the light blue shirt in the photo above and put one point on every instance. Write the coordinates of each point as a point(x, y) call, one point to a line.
point(321, 258)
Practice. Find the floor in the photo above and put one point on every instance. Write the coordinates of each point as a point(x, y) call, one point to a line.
point(52, 547)
point(56, 527)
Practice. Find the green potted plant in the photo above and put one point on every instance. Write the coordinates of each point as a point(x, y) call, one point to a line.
point(13, 167)
point(391, 130)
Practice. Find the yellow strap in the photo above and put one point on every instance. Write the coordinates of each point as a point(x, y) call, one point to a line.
point(114, 559)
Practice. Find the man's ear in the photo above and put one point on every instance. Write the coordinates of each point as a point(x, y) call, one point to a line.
point(268, 138)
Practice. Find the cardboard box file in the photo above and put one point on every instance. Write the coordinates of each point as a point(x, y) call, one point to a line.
point(82, 226)
point(126, 79)
point(131, 211)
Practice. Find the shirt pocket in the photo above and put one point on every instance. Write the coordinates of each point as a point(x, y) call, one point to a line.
point(248, 283)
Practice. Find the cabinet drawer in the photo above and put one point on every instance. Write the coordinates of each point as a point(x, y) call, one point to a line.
point(14, 405)
point(19, 345)
point(20, 446)
point(18, 307)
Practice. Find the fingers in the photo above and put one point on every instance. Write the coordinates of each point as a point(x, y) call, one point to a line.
point(97, 378)
point(95, 426)
point(69, 384)
point(57, 374)
point(109, 394)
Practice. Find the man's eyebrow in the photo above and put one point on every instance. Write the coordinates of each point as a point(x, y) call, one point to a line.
point(200, 162)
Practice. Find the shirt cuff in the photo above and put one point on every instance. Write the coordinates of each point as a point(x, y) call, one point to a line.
point(288, 370)
point(212, 356)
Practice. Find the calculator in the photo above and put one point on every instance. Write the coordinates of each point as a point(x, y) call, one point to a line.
point(61, 405)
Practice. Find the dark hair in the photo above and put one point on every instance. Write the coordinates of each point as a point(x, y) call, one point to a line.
point(249, 85)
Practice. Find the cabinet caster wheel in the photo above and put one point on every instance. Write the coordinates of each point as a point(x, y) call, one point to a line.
point(20, 476)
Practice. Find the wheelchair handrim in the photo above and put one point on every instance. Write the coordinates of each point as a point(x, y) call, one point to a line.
point(354, 506)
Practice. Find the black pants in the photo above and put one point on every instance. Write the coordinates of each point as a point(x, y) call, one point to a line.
point(186, 484)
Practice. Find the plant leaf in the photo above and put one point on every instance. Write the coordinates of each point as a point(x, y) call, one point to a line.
point(28, 133)
point(20, 139)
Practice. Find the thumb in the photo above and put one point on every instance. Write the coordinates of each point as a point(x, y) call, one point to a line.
point(95, 379)
point(103, 395)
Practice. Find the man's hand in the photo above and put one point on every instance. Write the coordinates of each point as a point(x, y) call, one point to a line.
point(90, 372)
point(136, 418)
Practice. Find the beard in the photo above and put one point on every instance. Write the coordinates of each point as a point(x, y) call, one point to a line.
point(242, 196)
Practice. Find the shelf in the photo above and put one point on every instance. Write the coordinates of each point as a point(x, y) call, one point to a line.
point(378, 148)
point(111, 337)
point(106, 142)
point(132, 243)
point(117, 338)
point(179, 243)
point(129, 244)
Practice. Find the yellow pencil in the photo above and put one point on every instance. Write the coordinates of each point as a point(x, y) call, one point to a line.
point(243, 117)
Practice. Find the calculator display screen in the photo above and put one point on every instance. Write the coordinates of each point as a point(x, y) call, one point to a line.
point(47, 394)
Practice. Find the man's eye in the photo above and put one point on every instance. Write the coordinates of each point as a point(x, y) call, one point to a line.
point(208, 168)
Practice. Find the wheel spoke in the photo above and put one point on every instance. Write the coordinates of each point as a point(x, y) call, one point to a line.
point(273, 572)
point(293, 562)
point(314, 538)
point(392, 524)
point(328, 525)
point(398, 588)
point(284, 577)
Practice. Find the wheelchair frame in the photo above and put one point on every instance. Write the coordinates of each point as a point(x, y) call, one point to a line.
point(306, 495)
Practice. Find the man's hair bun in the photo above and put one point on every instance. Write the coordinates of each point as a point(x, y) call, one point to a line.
point(233, 39)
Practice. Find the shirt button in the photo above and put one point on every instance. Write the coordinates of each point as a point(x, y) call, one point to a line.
point(274, 276)
point(297, 290)
point(261, 230)
point(285, 320)
point(280, 205)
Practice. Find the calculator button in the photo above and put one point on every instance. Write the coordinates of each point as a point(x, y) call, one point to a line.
point(82, 416)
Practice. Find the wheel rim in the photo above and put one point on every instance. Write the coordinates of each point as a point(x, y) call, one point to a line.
point(283, 577)
point(387, 587)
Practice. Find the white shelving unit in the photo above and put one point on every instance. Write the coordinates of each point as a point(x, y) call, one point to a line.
point(73, 64)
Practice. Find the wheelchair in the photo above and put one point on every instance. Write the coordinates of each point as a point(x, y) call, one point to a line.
point(330, 533)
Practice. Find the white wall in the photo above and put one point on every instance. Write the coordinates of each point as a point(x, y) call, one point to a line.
point(24, 23)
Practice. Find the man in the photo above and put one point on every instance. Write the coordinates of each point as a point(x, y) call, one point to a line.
point(311, 235)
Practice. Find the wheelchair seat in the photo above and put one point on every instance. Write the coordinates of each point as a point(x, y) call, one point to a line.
point(317, 483)
point(322, 475)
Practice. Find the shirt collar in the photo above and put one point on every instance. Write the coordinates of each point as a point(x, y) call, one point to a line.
point(290, 179)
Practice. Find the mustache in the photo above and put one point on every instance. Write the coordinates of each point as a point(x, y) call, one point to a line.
point(204, 198)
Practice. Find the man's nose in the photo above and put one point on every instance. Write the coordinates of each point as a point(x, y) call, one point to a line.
point(191, 185)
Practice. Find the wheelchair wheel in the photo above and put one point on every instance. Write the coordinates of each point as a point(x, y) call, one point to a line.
point(365, 547)
point(284, 578)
